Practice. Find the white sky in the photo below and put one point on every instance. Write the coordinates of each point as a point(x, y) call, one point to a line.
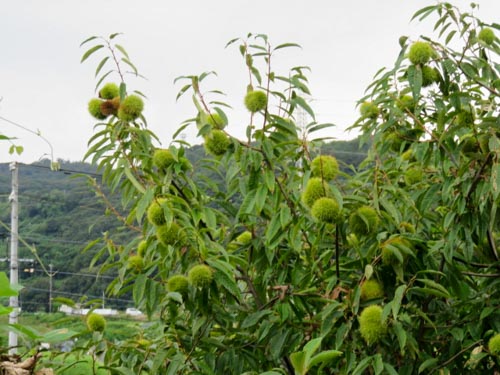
point(44, 87)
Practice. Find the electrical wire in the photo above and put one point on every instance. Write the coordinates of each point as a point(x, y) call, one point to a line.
point(63, 170)
point(93, 275)
point(55, 240)
point(78, 295)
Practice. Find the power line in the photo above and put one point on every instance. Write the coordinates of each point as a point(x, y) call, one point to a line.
point(63, 170)
point(33, 303)
point(48, 239)
point(93, 275)
point(78, 295)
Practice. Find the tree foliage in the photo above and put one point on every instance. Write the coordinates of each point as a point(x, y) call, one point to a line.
point(419, 216)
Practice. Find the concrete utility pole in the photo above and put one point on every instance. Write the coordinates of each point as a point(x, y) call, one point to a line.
point(51, 275)
point(14, 265)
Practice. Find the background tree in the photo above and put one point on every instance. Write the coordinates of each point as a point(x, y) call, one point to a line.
point(282, 258)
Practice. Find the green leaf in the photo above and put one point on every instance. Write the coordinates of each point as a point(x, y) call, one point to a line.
point(175, 296)
point(122, 50)
point(29, 332)
point(487, 311)
point(469, 69)
point(450, 36)
point(378, 364)
point(390, 370)
point(254, 318)
point(133, 180)
point(458, 334)
point(424, 12)
point(449, 219)
point(180, 129)
point(139, 289)
point(143, 204)
point(401, 335)
point(260, 198)
point(88, 40)
point(123, 90)
point(427, 364)
point(432, 284)
point(89, 52)
point(269, 180)
point(16, 149)
point(368, 271)
point(312, 346)
point(323, 357)
point(129, 63)
point(277, 342)
point(206, 74)
point(302, 103)
point(209, 218)
point(227, 282)
point(183, 90)
point(197, 104)
point(494, 144)
point(415, 80)
point(102, 79)
point(286, 45)
point(428, 198)
point(298, 360)
point(396, 302)
point(123, 370)
point(248, 204)
point(256, 74)
point(64, 301)
point(313, 127)
point(391, 209)
point(58, 335)
point(430, 291)
point(5, 310)
point(5, 288)
point(100, 65)
point(273, 234)
point(362, 365)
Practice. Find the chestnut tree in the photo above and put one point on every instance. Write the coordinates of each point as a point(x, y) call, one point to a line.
point(283, 264)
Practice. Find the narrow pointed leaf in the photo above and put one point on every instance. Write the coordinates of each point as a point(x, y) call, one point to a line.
point(89, 52)
point(323, 357)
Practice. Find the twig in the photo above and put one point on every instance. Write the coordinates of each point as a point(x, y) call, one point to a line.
point(477, 265)
point(108, 204)
point(481, 274)
point(477, 177)
point(250, 285)
point(447, 362)
point(37, 133)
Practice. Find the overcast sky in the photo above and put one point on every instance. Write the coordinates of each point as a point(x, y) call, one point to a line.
point(44, 87)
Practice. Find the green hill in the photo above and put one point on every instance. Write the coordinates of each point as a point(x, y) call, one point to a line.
point(59, 215)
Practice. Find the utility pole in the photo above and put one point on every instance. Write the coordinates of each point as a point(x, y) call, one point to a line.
point(51, 274)
point(14, 265)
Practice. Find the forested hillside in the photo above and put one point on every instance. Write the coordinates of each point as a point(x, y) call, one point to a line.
point(59, 214)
